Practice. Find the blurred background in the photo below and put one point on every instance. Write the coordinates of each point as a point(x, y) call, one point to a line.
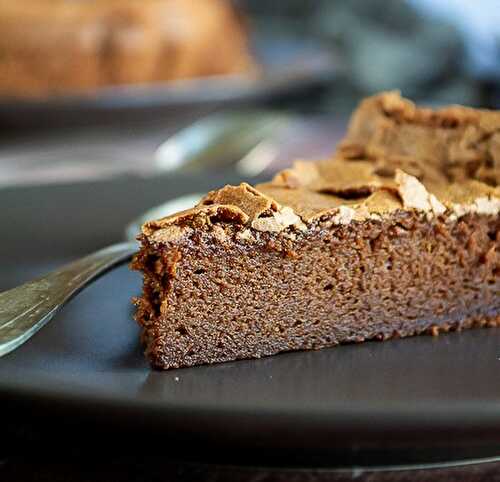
point(93, 89)
point(445, 51)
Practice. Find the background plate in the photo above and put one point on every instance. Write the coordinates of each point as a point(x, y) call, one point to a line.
point(420, 399)
point(288, 65)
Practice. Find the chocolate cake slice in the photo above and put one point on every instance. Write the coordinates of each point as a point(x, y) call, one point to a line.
point(396, 235)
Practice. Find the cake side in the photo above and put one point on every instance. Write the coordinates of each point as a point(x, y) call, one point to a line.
point(335, 251)
point(250, 278)
point(223, 291)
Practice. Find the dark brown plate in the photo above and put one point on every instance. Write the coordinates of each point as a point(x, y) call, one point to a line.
point(437, 397)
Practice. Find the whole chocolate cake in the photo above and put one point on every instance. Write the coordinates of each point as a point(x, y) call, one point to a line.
point(396, 235)
point(50, 47)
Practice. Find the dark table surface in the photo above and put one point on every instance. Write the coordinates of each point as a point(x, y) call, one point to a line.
point(118, 469)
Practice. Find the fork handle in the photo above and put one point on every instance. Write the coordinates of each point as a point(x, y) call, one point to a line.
point(27, 308)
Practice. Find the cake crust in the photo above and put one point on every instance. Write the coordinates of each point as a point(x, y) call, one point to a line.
point(385, 239)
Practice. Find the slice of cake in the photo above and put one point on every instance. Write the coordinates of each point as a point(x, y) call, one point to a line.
point(396, 235)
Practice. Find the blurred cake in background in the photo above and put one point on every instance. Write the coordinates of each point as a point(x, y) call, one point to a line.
point(50, 47)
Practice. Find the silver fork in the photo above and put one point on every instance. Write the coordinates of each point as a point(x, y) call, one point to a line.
point(26, 309)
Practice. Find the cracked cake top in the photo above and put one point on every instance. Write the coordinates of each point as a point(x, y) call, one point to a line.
point(395, 156)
